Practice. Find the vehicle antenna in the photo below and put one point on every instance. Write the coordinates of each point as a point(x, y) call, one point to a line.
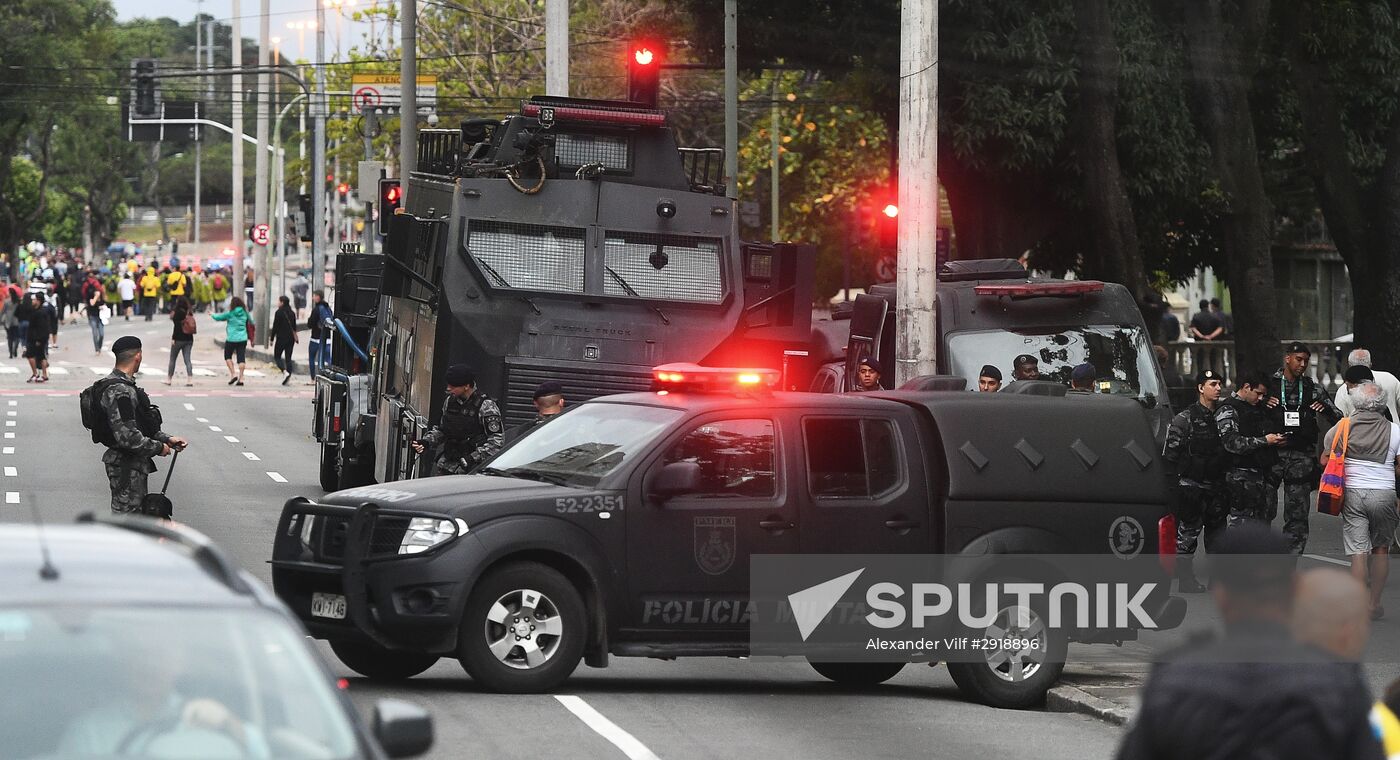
point(47, 571)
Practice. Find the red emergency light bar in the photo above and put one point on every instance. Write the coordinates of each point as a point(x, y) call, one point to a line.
point(670, 376)
point(1034, 289)
point(599, 115)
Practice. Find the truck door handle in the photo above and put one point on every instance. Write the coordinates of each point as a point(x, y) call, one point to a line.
point(775, 525)
point(901, 524)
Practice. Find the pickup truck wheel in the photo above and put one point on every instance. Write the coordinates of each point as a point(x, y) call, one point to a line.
point(858, 674)
point(330, 467)
point(380, 664)
point(523, 630)
point(1013, 677)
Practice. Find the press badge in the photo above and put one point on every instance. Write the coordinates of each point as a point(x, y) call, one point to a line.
point(1292, 419)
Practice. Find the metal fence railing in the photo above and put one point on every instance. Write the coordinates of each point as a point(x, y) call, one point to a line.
point(1186, 358)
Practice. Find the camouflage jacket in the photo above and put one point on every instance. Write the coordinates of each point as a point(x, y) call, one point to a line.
point(469, 428)
point(1241, 427)
point(134, 448)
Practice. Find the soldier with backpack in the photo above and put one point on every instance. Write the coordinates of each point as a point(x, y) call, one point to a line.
point(122, 418)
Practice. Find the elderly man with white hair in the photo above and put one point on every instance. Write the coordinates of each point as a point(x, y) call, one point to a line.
point(1372, 459)
point(1389, 383)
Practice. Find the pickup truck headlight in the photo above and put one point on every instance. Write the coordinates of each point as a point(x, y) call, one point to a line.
point(426, 532)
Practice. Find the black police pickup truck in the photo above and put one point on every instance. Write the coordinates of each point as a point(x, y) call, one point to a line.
point(580, 541)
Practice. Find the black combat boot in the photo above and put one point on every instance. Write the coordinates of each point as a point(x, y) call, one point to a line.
point(1186, 581)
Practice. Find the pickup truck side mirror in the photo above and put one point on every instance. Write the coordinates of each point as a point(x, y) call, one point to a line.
point(675, 479)
point(403, 729)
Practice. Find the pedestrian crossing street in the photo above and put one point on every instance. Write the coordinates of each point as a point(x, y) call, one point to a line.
point(56, 370)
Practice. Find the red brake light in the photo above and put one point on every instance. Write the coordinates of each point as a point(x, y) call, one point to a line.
point(626, 117)
point(1166, 543)
point(342, 684)
point(1034, 289)
point(643, 56)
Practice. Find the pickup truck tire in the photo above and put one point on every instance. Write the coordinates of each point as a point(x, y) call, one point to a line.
point(379, 664)
point(330, 466)
point(858, 674)
point(1013, 679)
point(523, 630)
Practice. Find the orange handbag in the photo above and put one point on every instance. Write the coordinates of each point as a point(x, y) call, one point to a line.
point(1334, 477)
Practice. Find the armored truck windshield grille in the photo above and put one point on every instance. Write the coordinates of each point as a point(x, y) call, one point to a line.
point(575, 150)
point(662, 267)
point(528, 256)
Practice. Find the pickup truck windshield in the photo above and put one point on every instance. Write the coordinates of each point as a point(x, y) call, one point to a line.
point(585, 445)
point(1120, 353)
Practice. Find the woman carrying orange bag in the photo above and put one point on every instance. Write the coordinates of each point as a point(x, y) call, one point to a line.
point(1370, 451)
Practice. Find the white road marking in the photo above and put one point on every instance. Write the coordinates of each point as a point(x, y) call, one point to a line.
point(230, 439)
point(251, 456)
point(12, 497)
point(202, 372)
point(10, 423)
point(9, 435)
point(56, 395)
point(216, 429)
point(9, 450)
point(9, 370)
point(205, 420)
point(11, 413)
point(58, 370)
point(100, 370)
point(14, 403)
point(153, 371)
point(605, 728)
point(189, 407)
point(277, 476)
point(11, 472)
point(1331, 560)
point(253, 373)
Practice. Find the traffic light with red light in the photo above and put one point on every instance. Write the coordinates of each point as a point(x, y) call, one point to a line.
point(644, 72)
point(145, 94)
point(887, 226)
point(343, 191)
point(390, 199)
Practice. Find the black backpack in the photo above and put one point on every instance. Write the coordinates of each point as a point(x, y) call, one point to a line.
point(94, 417)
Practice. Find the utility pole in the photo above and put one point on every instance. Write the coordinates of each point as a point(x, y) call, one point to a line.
point(198, 151)
point(240, 234)
point(556, 48)
point(318, 156)
point(263, 270)
point(408, 85)
point(731, 97)
point(916, 334)
point(776, 148)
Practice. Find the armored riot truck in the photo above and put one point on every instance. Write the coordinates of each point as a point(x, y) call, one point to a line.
point(573, 241)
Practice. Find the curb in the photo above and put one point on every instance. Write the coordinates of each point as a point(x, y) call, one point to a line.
point(262, 354)
point(1071, 699)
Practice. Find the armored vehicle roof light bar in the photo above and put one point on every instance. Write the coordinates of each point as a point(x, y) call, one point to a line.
point(594, 115)
point(205, 553)
point(1039, 289)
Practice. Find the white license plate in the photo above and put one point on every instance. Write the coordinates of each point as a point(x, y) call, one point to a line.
point(328, 606)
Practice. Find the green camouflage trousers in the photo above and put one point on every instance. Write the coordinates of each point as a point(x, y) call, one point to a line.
point(1200, 509)
point(1298, 470)
point(1250, 496)
point(128, 488)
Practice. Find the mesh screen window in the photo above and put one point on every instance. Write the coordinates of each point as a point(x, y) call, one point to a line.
point(662, 267)
point(575, 150)
point(528, 256)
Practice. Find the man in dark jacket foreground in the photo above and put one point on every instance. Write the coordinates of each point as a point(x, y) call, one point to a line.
point(1253, 692)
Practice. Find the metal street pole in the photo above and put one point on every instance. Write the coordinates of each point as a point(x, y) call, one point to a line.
point(263, 271)
point(916, 334)
point(239, 233)
point(776, 148)
point(198, 150)
point(556, 48)
point(318, 156)
point(279, 189)
point(408, 85)
point(731, 97)
point(370, 125)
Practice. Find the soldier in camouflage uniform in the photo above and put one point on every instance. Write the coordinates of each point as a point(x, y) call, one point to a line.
point(1301, 409)
point(1241, 422)
point(1196, 462)
point(470, 430)
point(133, 432)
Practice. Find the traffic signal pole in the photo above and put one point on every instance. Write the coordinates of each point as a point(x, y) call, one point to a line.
point(318, 156)
point(408, 89)
point(263, 271)
point(240, 232)
point(916, 334)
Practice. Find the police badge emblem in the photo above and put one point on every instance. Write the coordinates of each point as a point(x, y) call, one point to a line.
point(715, 544)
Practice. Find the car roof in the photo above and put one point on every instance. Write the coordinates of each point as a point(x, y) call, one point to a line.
point(111, 565)
point(718, 401)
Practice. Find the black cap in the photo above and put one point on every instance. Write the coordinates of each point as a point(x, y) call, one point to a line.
point(460, 374)
point(1207, 374)
point(1085, 371)
point(870, 362)
point(1025, 359)
point(1298, 347)
point(126, 343)
point(548, 388)
point(1358, 373)
point(990, 371)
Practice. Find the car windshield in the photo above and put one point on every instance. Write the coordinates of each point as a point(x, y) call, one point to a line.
point(1122, 359)
point(585, 445)
point(163, 682)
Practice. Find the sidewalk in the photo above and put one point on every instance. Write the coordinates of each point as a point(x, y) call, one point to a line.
point(1109, 693)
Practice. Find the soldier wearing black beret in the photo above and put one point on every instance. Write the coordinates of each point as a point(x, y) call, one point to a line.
point(470, 429)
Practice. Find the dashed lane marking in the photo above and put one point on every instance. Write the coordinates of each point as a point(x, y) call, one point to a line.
point(277, 476)
point(205, 420)
point(189, 407)
point(1331, 560)
point(230, 439)
point(216, 429)
point(8, 450)
point(605, 728)
point(14, 403)
point(11, 413)
point(9, 435)
point(12, 497)
point(251, 456)
point(10, 423)
point(11, 472)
